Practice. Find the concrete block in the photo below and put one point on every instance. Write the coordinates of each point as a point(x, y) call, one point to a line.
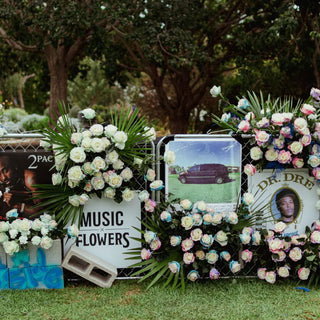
point(40, 277)
point(3, 259)
point(4, 279)
point(36, 256)
point(89, 267)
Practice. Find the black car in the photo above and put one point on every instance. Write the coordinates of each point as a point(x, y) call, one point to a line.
point(206, 173)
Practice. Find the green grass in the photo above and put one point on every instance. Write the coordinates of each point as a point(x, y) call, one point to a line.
point(127, 300)
point(210, 193)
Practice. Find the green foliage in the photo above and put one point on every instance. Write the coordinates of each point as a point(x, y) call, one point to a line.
point(34, 122)
point(90, 87)
point(14, 114)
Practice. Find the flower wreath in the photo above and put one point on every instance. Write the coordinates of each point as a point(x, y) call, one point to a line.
point(104, 160)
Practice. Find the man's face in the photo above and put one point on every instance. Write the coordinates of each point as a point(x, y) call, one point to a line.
point(287, 206)
point(5, 173)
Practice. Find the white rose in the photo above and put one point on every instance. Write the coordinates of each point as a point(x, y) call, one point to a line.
point(106, 142)
point(96, 129)
point(45, 144)
point(256, 153)
point(215, 91)
point(76, 138)
point(88, 113)
point(150, 134)
point(144, 195)
point(88, 168)
point(186, 204)
point(73, 231)
point(112, 157)
point(74, 200)
point(97, 145)
point(187, 222)
point(128, 195)
point(86, 134)
point(118, 165)
point(110, 130)
point(296, 147)
point(35, 240)
point(83, 199)
point(109, 193)
point(97, 182)
point(56, 178)
point(45, 218)
point(44, 230)
point(23, 239)
point(10, 247)
point(169, 157)
point(4, 226)
point(138, 162)
point(271, 154)
point(13, 233)
point(77, 155)
point(156, 185)
point(25, 225)
point(115, 181)
point(221, 237)
point(75, 174)
point(3, 237)
point(151, 175)
point(201, 206)
point(46, 243)
point(196, 234)
point(86, 143)
point(60, 160)
point(126, 174)
point(248, 198)
point(98, 164)
point(120, 137)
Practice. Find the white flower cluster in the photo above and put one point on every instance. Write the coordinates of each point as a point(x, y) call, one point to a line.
point(15, 232)
point(95, 164)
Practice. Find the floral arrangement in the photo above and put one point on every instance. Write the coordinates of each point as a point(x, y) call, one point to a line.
point(191, 241)
point(102, 160)
point(16, 233)
point(285, 135)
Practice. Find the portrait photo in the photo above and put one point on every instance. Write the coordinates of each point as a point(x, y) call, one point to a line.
point(19, 172)
point(285, 205)
point(289, 196)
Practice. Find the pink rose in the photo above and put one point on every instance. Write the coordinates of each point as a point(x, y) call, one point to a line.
point(307, 109)
point(244, 126)
point(249, 169)
point(303, 273)
point(297, 162)
point(316, 173)
point(284, 157)
point(261, 137)
point(305, 140)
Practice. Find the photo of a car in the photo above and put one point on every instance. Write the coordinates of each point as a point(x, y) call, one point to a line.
point(206, 173)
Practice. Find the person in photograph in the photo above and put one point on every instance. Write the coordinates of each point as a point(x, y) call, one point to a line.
point(16, 188)
point(288, 205)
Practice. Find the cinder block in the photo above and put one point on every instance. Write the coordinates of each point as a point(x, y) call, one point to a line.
point(4, 279)
point(3, 259)
point(89, 267)
point(36, 256)
point(40, 277)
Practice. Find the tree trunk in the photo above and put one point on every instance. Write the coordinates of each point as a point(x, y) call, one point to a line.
point(58, 68)
point(179, 120)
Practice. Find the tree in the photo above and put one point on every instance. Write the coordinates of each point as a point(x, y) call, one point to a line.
point(191, 44)
point(58, 30)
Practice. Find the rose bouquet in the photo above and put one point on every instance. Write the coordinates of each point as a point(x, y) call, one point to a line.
point(103, 160)
point(191, 240)
point(284, 134)
point(16, 233)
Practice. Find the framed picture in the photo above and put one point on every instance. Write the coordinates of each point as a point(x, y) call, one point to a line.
point(207, 167)
point(289, 196)
point(19, 171)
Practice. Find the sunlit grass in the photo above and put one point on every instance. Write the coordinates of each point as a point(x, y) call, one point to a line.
point(126, 299)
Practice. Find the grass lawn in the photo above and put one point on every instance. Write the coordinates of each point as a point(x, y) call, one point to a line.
point(210, 193)
point(126, 299)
